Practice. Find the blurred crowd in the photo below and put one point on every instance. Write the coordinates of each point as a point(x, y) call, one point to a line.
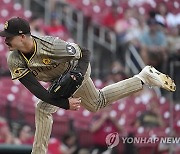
point(152, 26)
point(155, 34)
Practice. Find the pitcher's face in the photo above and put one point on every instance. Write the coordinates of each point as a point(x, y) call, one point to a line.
point(14, 43)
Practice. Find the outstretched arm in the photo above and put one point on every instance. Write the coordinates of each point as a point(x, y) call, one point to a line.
point(30, 82)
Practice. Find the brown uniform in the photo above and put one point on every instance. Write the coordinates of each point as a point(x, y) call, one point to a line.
point(51, 58)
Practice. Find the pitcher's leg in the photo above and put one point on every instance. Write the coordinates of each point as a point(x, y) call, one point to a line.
point(122, 89)
point(90, 96)
point(93, 99)
point(43, 122)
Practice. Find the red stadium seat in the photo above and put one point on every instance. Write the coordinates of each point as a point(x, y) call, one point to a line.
point(29, 116)
point(60, 125)
point(84, 138)
point(82, 119)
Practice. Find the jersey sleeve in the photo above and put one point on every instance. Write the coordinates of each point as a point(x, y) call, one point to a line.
point(66, 49)
point(17, 65)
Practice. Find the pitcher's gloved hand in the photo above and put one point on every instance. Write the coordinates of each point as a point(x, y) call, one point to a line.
point(66, 84)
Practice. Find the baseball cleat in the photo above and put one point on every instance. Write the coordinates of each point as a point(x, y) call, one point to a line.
point(152, 77)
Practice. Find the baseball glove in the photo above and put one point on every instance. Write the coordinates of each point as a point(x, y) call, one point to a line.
point(66, 84)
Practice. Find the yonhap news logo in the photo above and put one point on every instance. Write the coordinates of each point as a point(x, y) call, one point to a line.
point(113, 140)
point(151, 140)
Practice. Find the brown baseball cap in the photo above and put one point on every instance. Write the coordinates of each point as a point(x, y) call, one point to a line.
point(15, 26)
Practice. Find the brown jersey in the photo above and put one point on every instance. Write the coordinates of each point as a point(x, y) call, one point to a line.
point(51, 58)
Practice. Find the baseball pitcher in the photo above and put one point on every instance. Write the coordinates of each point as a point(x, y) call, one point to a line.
point(66, 66)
